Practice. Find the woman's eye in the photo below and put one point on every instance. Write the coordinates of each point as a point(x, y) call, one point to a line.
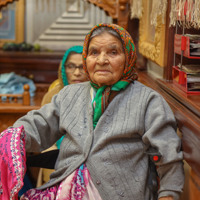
point(94, 52)
point(113, 52)
point(70, 65)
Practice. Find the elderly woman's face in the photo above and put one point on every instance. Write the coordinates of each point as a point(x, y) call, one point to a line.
point(105, 60)
point(74, 69)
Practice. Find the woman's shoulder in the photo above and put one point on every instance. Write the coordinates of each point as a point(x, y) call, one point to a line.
point(140, 87)
point(82, 85)
point(48, 96)
point(138, 84)
point(74, 88)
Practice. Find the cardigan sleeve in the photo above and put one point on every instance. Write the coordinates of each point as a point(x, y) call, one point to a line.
point(160, 133)
point(42, 126)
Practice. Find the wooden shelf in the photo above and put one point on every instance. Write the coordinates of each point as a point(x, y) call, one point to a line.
point(180, 77)
point(180, 80)
point(183, 43)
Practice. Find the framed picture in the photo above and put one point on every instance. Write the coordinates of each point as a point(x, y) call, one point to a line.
point(12, 23)
point(151, 39)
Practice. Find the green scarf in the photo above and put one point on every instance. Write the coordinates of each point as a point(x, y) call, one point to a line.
point(98, 108)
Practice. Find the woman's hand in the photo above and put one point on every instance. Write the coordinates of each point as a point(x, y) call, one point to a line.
point(166, 198)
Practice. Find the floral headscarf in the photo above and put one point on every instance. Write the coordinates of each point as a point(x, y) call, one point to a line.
point(129, 75)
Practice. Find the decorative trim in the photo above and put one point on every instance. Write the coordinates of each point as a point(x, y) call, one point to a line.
point(5, 2)
point(117, 9)
point(109, 6)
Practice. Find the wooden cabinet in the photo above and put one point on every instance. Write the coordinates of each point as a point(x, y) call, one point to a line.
point(185, 75)
point(41, 67)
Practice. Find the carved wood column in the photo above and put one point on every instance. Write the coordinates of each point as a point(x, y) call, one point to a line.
point(117, 9)
point(123, 13)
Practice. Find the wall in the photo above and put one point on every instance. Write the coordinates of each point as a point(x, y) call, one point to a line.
point(154, 69)
point(59, 24)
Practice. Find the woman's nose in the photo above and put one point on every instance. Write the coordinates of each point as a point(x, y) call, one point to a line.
point(77, 71)
point(102, 59)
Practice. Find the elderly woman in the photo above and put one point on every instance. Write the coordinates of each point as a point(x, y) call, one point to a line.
point(111, 126)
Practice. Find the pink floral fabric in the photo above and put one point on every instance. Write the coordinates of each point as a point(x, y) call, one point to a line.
point(47, 194)
point(77, 186)
point(12, 162)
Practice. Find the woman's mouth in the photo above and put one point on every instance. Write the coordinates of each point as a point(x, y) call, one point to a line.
point(77, 81)
point(102, 72)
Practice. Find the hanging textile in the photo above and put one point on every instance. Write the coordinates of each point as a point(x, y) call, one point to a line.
point(156, 8)
point(159, 8)
point(186, 13)
point(136, 8)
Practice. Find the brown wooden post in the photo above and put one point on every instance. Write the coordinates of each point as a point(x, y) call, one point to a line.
point(123, 13)
point(169, 46)
point(26, 95)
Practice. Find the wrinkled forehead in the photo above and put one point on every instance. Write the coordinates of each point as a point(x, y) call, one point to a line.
point(100, 30)
point(105, 41)
point(75, 58)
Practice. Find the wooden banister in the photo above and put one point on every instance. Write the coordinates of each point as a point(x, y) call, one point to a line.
point(26, 95)
point(16, 99)
point(117, 9)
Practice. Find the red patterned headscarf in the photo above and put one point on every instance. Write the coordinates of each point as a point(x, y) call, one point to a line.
point(106, 93)
point(129, 73)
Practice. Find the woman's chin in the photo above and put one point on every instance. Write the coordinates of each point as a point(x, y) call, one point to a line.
point(74, 82)
point(100, 84)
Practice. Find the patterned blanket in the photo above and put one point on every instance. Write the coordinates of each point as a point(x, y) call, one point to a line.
point(12, 162)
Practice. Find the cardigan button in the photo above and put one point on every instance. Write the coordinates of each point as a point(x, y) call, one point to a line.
point(98, 182)
point(121, 194)
point(107, 162)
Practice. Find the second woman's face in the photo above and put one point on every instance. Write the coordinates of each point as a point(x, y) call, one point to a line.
point(105, 60)
point(74, 69)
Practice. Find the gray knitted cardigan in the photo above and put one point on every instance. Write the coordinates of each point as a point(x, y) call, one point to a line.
point(137, 118)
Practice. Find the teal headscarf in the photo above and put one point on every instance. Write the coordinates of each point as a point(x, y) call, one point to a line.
point(76, 49)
